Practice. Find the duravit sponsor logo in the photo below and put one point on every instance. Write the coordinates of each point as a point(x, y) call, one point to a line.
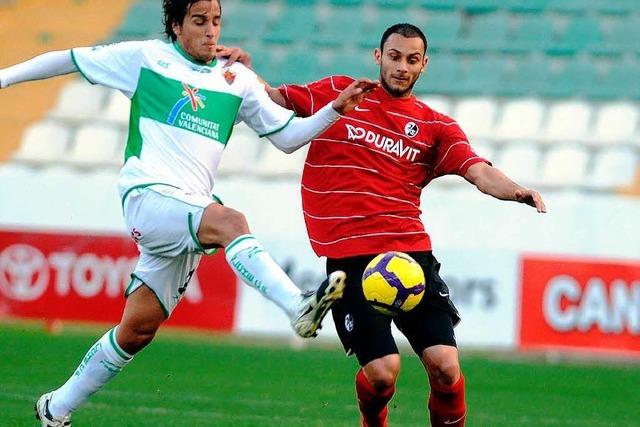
point(399, 148)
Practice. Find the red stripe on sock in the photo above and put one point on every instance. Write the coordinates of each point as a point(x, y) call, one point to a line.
point(447, 407)
point(372, 403)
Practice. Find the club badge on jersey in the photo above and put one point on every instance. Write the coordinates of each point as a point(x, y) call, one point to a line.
point(229, 76)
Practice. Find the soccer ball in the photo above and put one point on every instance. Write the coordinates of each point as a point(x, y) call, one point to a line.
point(393, 283)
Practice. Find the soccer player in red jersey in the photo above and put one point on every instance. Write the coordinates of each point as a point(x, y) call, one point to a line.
point(361, 191)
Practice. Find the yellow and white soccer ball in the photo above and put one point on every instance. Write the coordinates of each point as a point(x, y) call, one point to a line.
point(393, 283)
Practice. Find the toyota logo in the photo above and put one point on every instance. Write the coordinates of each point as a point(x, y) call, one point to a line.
point(24, 273)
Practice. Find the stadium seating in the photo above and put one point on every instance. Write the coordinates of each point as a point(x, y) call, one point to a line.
point(567, 121)
point(547, 90)
point(521, 118)
point(44, 142)
point(614, 167)
point(565, 166)
point(476, 116)
point(95, 145)
point(80, 100)
point(521, 161)
point(616, 122)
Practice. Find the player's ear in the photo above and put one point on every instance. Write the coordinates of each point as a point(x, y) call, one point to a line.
point(425, 61)
point(377, 55)
point(177, 28)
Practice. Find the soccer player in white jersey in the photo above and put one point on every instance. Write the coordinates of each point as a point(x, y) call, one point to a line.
point(184, 103)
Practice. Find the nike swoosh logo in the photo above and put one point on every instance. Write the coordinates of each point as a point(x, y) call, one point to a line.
point(443, 294)
point(455, 421)
point(362, 110)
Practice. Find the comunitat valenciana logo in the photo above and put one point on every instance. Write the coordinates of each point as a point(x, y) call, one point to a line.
point(190, 96)
point(186, 118)
point(24, 272)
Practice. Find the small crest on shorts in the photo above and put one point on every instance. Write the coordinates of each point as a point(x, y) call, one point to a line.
point(136, 235)
point(229, 76)
point(411, 129)
point(348, 323)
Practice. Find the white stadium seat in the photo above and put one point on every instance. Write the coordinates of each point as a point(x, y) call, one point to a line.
point(614, 166)
point(568, 121)
point(273, 162)
point(476, 116)
point(616, 122)
point(118, 107)
point(97, 144)
point(44, 142)
point(521, 162)
point(439, 103)
point(240, 154)
point(521, 119)
point(80, 100)
point(565, 165)
point(483, 148)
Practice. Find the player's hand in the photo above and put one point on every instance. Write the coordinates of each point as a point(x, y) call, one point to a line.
point(233, 54)
point(531, 198)
point(353, 95)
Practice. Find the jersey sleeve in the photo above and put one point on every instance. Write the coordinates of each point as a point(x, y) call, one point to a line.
point(455, 154)
point(258, 111)
point(116, 65)
point(305, 100)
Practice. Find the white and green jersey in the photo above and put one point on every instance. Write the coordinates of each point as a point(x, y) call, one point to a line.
point(182, 110)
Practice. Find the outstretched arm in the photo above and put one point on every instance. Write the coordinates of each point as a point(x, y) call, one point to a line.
point(493, 182)
point(302, 130)
point(43, 66)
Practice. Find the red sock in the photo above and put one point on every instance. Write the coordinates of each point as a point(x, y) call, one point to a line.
point(447, 406)
point(372, 403)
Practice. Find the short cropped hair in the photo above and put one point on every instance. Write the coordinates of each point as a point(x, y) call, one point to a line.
point(406, 30)
point(174, 11)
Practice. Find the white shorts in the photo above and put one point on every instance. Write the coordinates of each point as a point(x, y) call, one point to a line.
point(164, 222)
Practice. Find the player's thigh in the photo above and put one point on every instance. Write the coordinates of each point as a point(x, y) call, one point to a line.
point(432, 321)
point(167, 277)
point(362, 330)
point(164, 220)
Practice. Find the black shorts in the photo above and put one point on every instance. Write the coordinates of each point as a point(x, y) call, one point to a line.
point(367, 333)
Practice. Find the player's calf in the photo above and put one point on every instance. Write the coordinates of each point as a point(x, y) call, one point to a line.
point(372, 401)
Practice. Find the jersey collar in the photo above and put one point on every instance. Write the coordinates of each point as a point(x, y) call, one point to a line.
point(190, 58)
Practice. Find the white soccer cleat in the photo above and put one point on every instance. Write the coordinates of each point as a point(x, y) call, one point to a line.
point(314, 305)
point(43, 414)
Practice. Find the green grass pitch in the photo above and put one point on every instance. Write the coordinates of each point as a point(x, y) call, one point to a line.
point(194, 380)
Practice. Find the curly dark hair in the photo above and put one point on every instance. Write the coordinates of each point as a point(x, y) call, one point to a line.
point(175, 11)
point(405, 30)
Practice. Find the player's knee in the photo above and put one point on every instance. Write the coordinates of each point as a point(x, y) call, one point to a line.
point(446, 372)
point(220, 225)
point(383, 373)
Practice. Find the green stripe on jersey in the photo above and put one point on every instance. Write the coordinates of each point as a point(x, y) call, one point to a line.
point(208, 113)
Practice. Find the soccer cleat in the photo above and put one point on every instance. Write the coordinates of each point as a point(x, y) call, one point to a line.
point(314, 305)
point(43, 414)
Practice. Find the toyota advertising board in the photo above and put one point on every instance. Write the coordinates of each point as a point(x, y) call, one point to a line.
point(581, 304)
point(83, 277)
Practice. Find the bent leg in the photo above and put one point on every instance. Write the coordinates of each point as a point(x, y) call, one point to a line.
point(223, 226)
point(113, 351)
point(375, 386)
point(447, 406)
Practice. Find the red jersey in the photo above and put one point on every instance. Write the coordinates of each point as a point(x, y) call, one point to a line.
point(363, 176)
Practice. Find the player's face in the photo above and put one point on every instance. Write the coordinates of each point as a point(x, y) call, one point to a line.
point(401, 61)
point(199, 32)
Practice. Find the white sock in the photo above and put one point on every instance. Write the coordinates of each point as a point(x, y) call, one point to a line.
point(256, 268)
point(102, 362)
